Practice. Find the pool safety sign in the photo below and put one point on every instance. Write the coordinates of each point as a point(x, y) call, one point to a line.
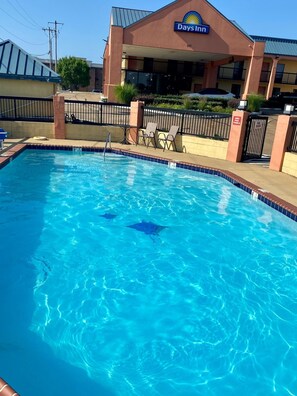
point(191, 23)
point(259, 124)
point(236, 120)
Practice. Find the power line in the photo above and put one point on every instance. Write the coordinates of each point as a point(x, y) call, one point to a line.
point(28, 17)
point(36, 55)
point(21, 23)
point(27, 42)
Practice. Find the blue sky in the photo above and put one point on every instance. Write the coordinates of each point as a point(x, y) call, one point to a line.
point(85, 23)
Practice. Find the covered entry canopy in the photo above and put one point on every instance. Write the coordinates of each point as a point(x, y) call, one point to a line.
point(184, 30)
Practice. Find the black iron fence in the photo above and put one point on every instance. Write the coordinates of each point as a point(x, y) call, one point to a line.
point(293, 143)
point(198, 123)
point(97, 113)
point(26, 109)
point(190, 122)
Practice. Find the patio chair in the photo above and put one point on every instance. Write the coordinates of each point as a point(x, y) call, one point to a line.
point(170, 137)
point(148, 134)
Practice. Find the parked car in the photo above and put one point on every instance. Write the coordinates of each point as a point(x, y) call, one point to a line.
point(211, 93)
point(281, 99)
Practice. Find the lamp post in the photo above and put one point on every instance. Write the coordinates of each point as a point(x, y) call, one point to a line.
point(243, 105)
point(288, 109)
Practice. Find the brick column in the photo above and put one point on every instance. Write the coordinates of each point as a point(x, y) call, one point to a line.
point(210, 75)
point(59, 117)
point(237, 135)
point(254, 70)
point(282, 138)
point(136, 118)
point(113, 62)
point(272, 77)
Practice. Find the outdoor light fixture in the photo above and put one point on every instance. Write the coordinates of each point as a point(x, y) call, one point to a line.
point(288, 109)
point(243, 104)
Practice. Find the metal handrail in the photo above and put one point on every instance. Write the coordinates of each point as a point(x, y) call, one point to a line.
point(108, 140)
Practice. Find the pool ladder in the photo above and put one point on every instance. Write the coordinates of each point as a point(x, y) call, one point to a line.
point(108, 140)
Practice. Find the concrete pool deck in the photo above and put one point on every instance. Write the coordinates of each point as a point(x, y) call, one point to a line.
point(279, 184)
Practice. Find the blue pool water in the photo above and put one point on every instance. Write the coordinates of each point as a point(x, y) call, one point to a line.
point(127, 277)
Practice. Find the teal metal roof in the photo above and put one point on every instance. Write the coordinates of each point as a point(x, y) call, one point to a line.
point(15, 63)
point(125, 17)
point(278, 46)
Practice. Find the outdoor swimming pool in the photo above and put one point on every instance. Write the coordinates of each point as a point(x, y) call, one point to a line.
point(127, 277)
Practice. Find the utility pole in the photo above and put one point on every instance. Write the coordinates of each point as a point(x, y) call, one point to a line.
point(50, 45)
point(55, 30)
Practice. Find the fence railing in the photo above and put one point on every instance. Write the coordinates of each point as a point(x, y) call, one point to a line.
point(97, 113)
point(231, 73)
point(280, 78)
point(26, 109)
point(293, 143)
point(190, 122)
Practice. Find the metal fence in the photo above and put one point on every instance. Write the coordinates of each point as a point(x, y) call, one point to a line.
point(190, 122)
point(26, 109)
point(293, 144)
point(96, 113)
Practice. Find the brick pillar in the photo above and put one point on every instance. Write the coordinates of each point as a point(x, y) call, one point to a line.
point(237, 135)
point(210, 75)
point(59, 117)
point(136, 118)
point(282, 138)
point(272, 78)
point(113, 62)
point(254, 70)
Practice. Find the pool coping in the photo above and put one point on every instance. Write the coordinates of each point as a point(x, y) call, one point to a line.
point(257, 193)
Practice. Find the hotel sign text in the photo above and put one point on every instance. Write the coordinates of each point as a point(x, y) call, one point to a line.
point(191, 23)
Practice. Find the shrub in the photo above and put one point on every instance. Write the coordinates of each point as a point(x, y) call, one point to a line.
point(169, 106)
point(125, 93)
point(146, 98)
point(233, 103)
point(188, 103)
point(255, 102)
point(218, 109)
point(202, 105)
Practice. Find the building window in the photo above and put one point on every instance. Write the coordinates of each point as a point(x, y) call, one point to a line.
point(280, 68)
point(199, 69)
point(235, 89)
point(172, 66)
point(238, 70)
point(188, 68)
point(148, 65)
point(265, 73)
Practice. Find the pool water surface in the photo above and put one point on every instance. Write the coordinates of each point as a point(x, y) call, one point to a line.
point(127, 277)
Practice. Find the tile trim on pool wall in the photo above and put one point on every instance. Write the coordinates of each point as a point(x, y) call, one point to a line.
point(269, 199)
point(11, 153)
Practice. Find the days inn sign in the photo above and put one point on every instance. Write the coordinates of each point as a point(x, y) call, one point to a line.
point(192, 23)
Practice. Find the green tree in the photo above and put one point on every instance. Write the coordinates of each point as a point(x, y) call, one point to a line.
point(75, 72)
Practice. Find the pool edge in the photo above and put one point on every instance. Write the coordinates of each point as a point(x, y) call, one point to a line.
point(282, 206)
